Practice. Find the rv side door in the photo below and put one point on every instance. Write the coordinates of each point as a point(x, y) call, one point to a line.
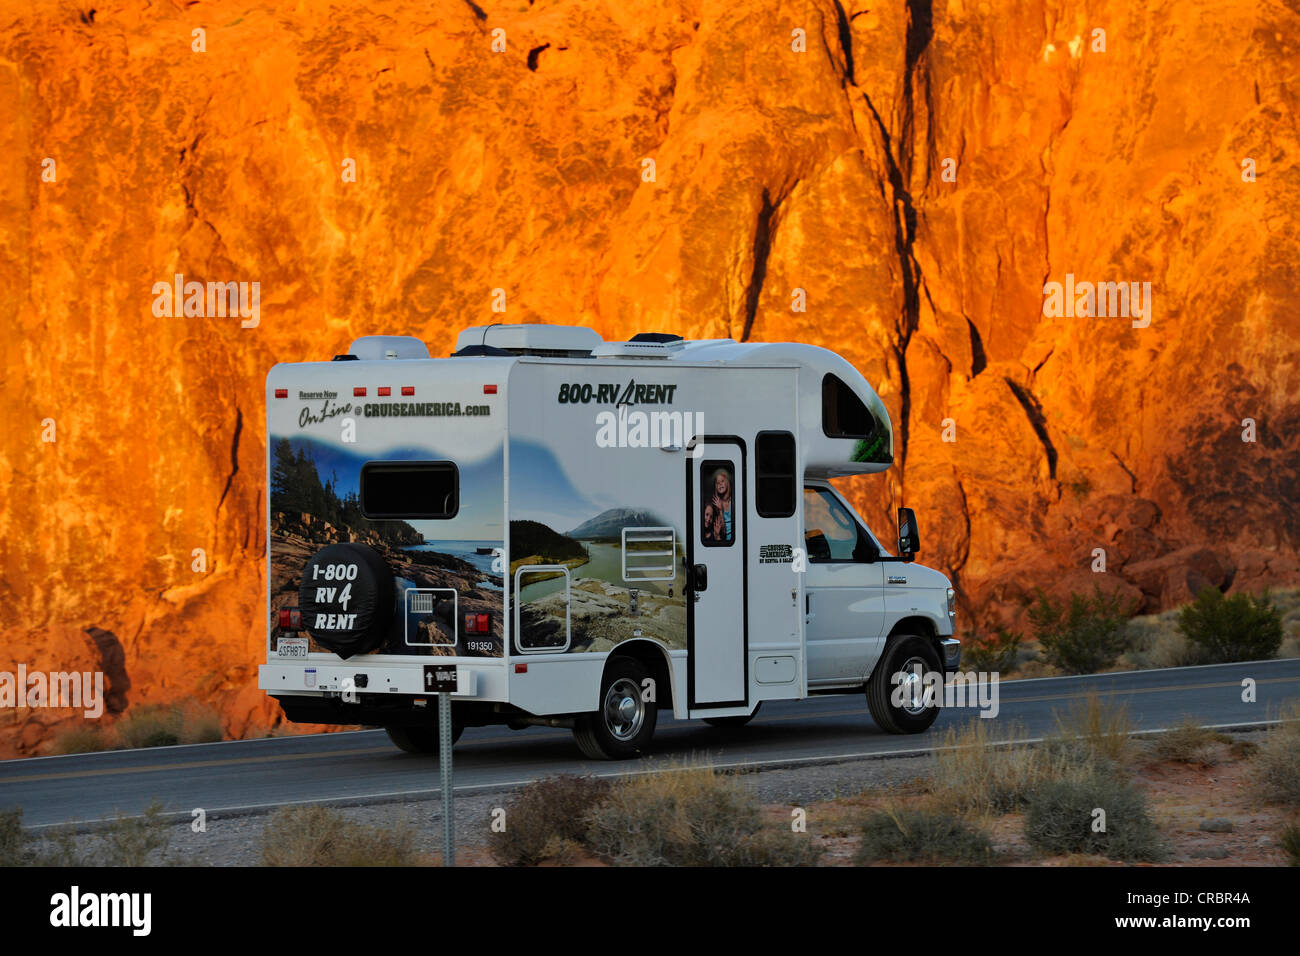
point(717, 602)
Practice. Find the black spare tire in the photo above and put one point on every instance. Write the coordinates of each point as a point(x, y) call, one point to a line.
point(347, 597)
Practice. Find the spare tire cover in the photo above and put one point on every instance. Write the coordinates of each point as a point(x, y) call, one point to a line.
point(347, 597)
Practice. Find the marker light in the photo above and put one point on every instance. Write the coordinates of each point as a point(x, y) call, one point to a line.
point(281, 393)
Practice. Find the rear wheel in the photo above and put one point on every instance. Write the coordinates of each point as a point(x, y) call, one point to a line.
point(899, 705)
point(422, 739)
point(731, 722)
point(625, 722)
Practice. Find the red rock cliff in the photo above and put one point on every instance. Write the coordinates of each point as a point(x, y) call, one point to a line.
point(915, 172)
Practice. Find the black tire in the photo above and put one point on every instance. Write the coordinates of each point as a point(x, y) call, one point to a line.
point(361, 604)
point(730, 723)
point(625, 722)
point(422, 739)
point(906, 653)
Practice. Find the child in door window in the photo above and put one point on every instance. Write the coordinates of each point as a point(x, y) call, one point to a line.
point(718, 509)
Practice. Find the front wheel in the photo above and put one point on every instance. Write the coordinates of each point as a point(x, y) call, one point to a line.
point(625, 722)
point(900, 704)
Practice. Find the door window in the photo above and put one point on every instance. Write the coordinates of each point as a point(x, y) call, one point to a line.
point(718, 514)
point(831, 532)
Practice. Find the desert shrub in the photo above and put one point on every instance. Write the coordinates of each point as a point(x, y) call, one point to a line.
point(689, 817)
point(1092, 733)
point(975, 774)
point(921, 836)
point(1190, 743)
point(1238, 628)
point(1082, 635)
point(1289, 840)
point(165, 725)
point(134, 841)
point(1062, 818)
point(994, 653)
point(1275, 767)
point(12, 838)
point(150, 725)
point(546, 817)
point(81, 739)
point(318, 836)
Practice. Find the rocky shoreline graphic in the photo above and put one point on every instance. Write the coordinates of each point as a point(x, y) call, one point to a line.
point(600, 616)
point(295, 538)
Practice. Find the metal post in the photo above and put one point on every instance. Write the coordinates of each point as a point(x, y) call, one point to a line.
point(444, 767)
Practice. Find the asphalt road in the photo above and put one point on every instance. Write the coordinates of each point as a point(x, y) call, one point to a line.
point(363, 767)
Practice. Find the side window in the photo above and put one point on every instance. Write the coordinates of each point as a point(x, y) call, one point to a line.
point(774, 457)
point(831, 533)
point(843, 413)
point(718, 513)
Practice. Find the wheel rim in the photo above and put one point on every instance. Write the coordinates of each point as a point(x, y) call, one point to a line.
point(624, 709)
point(912, 684)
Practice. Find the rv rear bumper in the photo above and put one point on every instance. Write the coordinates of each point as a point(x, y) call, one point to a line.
point(313, 677)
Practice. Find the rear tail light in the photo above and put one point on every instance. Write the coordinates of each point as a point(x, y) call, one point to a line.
point(290, 619)
point(478, 623)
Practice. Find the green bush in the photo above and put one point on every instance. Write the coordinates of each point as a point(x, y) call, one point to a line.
point(919, 836)
point(1082, 635)
point(996, 653)
point(1238, 628)
point(1062, 817)
point(545, 817)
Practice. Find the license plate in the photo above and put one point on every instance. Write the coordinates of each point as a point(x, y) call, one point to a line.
point(440, 678)
point(291, 647)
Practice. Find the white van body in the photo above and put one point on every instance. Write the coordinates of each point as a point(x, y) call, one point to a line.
point(545, 515)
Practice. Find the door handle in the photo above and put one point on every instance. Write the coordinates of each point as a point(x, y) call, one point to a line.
point(699, 578)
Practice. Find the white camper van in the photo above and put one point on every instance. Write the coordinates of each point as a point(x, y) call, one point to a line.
point(558, 530)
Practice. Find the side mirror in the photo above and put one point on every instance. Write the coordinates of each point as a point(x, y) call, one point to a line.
point(909, 539)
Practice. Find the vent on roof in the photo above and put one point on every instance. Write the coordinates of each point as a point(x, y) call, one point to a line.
point(655, 337)
point(373, 347)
